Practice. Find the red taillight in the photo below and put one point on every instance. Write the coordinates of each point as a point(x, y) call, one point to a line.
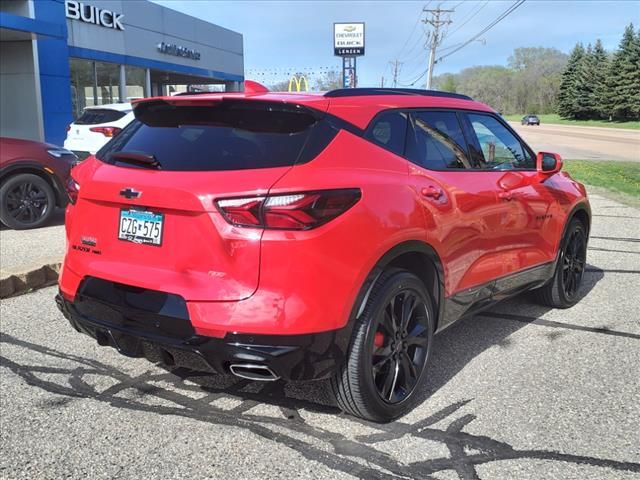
point(73, 188)
point(106, 131)
point(292, 211)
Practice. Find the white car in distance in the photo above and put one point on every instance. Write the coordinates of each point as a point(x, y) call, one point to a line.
point(96, 126)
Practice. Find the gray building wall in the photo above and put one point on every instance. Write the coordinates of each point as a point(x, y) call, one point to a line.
point(20, 111)
point(147, 24)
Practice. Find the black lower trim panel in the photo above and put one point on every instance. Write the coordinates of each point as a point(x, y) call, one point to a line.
point(149, 324)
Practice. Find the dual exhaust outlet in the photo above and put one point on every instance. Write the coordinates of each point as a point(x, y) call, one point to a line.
point(251, 371)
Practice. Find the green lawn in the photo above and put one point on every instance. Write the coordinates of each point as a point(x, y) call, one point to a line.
point(554, 118)
point(622, 179)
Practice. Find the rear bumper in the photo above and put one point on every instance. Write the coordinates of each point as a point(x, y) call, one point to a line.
point(137, 329)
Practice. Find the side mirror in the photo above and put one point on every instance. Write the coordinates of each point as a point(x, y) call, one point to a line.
point(548, 163)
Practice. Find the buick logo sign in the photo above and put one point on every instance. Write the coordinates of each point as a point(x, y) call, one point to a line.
point(90, 14)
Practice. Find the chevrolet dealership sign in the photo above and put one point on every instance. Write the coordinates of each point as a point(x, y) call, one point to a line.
point(348, 39)
point(90, 14)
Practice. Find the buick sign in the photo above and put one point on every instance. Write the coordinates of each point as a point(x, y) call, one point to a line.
point(90, 14)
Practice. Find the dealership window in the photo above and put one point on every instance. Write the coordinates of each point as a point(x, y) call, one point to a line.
point(135, 83)
point(83, 85)
point(107, 81)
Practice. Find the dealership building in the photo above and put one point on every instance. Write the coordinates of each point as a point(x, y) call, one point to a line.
point(59, 56)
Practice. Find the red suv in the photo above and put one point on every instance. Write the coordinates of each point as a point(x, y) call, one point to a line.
point(314, 236)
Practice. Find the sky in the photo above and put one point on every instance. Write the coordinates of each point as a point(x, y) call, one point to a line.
point(281, 37)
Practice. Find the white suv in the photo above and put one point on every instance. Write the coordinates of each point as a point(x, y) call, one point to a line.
point(96, 126)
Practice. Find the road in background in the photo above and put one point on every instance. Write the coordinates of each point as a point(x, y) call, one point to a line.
point(582, 143)
point(518, 392)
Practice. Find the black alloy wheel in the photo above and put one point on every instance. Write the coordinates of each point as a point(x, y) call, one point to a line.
point(400, 346)
point(563, 290)
point(386, 365)
point(573, 262)
point(26, 201)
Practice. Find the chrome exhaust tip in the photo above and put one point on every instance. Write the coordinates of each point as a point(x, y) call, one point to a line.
point(250, 371)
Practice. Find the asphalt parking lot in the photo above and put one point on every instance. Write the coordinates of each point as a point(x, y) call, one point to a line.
point(520, 392)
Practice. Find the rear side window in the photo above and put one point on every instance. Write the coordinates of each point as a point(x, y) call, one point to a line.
point(501, 149)
point(389, 130)
point(94, 116)
point(228, 135)
point(438, 142)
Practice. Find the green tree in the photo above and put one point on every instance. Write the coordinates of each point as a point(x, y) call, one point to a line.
point(448, 84)
point(623, 83)
point(585, 105)
point(600, 72)
point(568, 91)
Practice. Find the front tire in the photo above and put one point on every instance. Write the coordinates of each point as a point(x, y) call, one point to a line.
point(390, 347)
point(562, 291)
point(26, 201)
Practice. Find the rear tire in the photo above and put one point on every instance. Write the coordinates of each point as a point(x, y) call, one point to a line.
point(562, 291)
point(26, 201)
point(390, 347)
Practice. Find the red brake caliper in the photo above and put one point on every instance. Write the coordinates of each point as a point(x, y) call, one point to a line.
point(378, 339)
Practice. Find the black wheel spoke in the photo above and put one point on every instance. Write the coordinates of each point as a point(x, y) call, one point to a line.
point(408, 307)
point(408, 368)
point(390, 381)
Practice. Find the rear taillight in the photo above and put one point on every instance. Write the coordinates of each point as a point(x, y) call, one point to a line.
point(292, 211)
point(106, 131)
point(73, 188)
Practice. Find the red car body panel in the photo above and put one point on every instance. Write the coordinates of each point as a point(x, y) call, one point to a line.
point(483, 225)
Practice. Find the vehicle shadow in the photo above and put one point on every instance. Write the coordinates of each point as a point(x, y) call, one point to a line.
point(453, 349)
point(292, 414)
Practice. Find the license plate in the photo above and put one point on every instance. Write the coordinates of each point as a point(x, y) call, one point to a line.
point(140, 226)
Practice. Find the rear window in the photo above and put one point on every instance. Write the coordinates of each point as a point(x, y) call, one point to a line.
point(94, 116)
point(228, 135)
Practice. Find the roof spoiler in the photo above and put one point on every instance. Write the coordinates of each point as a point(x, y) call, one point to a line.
point(361, 92)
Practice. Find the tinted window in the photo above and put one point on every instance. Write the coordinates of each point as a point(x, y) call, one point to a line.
point(389, 130)
point(94, 116)
point(438, 141)
point(501, 150)
point(225, 136)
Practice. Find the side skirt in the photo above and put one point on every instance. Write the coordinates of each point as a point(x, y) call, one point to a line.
point(473, 300)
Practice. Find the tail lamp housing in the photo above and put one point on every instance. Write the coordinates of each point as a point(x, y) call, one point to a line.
point(289, 211)
point(106, 131)
point(73, 189)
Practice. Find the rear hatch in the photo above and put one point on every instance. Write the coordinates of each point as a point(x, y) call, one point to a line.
point(145, 214)
point(94, 128)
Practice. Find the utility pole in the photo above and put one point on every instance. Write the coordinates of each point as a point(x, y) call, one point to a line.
point(382, 82)
point(435, 38)
point(396, 69)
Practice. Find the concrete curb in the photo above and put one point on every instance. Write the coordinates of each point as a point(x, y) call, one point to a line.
point(18, 283)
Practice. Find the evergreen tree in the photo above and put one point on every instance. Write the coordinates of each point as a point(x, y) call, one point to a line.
point(584, 105)
point(623, 84)
point(600, 72)
point(567, 93)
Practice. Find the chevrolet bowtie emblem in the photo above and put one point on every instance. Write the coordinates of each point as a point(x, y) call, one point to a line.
point(130, 193)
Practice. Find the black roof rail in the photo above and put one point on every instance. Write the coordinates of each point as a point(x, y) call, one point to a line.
point(361, 92)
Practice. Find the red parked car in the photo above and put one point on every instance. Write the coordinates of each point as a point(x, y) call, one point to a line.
point(313, 236)
point(33, 176)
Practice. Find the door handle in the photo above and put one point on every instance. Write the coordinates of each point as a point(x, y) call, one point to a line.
point(505, 195)
point(431, 192)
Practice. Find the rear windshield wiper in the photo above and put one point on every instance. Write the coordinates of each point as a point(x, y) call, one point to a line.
point(140, 159)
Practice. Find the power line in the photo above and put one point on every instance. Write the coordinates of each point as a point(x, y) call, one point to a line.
point(467, 19)
point(506, 13)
